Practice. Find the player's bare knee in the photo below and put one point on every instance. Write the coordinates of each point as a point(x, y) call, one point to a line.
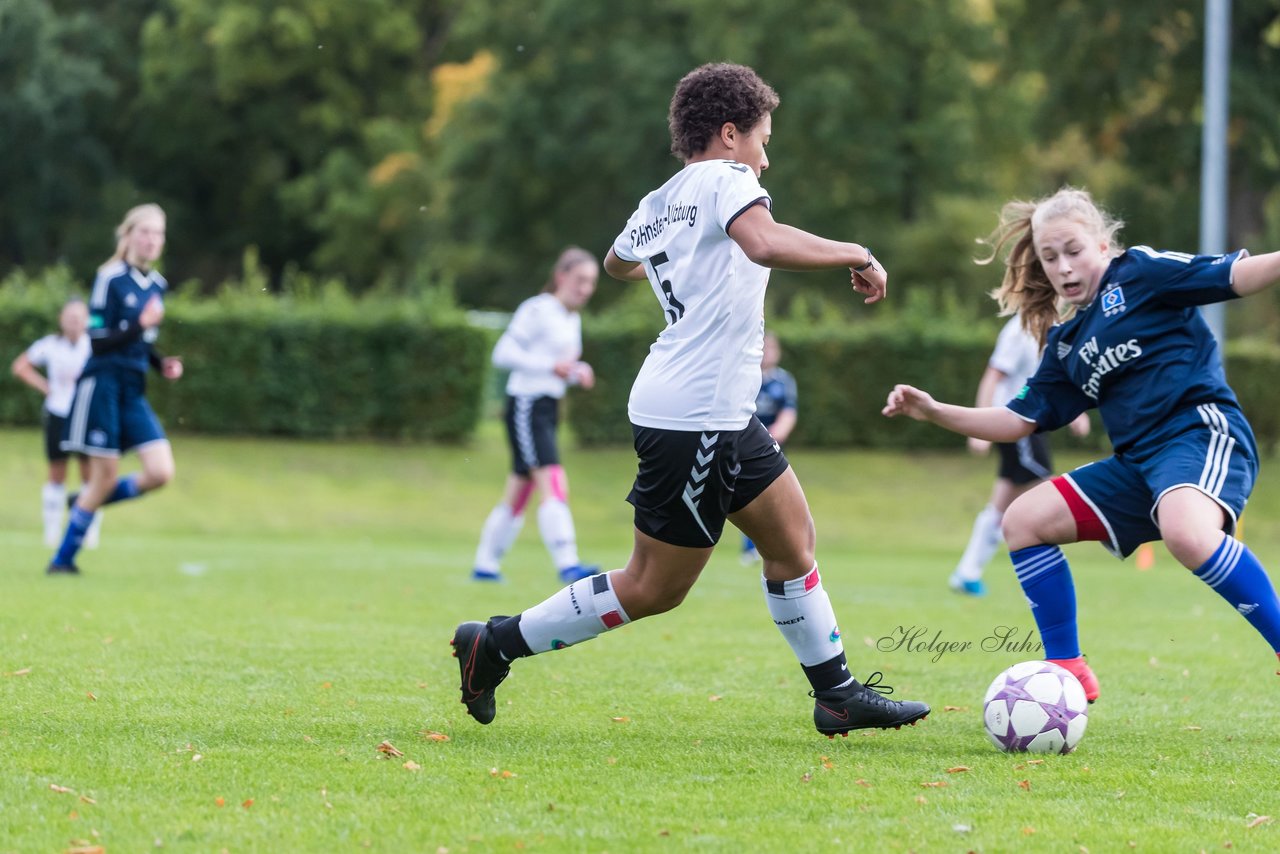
point(1191, 546)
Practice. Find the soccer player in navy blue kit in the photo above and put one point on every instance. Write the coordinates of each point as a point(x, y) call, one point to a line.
point(1132, 344)
point(776, 407)
point(705, 241)
point(110, 414)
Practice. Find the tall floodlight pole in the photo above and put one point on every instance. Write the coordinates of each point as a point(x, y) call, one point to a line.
point(1213, 153)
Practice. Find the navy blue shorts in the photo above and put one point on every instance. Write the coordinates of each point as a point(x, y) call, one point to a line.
point(1218, 459)
point(110, 415)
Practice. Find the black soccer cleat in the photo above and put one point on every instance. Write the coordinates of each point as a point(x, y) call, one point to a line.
point(863, 706)
point(62, 569)
point(481, 675)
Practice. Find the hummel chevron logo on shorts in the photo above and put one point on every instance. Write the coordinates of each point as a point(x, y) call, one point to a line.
point(693, 489)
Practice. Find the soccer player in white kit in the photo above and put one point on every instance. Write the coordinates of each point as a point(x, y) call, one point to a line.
point(542, 348)
point(1023, 464)
point(62, 357)
point(706, 240)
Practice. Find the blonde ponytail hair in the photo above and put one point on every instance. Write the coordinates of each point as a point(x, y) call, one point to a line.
point(1026, 289)
point(131, 219)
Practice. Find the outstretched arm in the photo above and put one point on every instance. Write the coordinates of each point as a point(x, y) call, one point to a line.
point(771, 244)
point(1255, 273)
point(993, 423)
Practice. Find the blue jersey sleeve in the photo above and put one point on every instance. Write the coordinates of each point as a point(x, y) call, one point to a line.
point(1178, 278)
point(1050, 398)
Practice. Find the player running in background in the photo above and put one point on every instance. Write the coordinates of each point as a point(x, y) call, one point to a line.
point(706, 240)
point(1133, 344)
point(1023, 464)
point(62, 356)
point(542, 347)
point(110, 413)
point(776, 408)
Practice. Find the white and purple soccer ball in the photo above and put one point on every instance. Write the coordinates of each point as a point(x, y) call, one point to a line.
point(1036, 707)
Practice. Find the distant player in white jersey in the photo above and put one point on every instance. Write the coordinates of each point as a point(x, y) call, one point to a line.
point(1023, 464)
point(62, 357)
point(542, 348)
point(706, 240)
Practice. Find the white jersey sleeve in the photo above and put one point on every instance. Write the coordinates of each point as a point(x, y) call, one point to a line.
point(39, 353)
point(1016, 355)
point(703, 371)
point(542, 333)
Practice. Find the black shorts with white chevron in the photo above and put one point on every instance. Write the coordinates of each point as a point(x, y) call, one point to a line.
point(689, 482)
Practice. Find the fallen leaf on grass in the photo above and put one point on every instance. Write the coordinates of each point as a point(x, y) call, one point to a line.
point(806, 777)
point(1257, 821)
point(621, 720)
point(432, 735)
point(412, 766)
point(389, 749)
point(1024, 784)
point(506, 775)
point(713, 698)
point(861, 782)
point(219, 802)
point(921, 799)
point(1035, 761)
point(826, 763)
point(196, 757)
point(87, 799)
point(26, 671)
point(90, 695)
point(87, 849)
point(62, 790)
point(955, 708)
point(1192, 728)
point(933, 784)
point(1027, 831)
point(958, 769)
point(247, 803)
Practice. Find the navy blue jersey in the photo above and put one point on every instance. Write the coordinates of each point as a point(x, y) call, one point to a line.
point(119, 294)
point(1140, 352)
point(777, 392)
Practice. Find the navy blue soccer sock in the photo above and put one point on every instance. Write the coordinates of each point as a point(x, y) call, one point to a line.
point(126, 488)
point(1235, 573)
point(77, 524)
point(1046, 580)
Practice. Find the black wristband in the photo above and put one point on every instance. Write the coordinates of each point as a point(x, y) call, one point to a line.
point(871, 261)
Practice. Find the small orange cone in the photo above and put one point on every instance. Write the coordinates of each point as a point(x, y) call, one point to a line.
point(1145, 558)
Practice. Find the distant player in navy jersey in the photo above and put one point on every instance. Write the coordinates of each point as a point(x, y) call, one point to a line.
point(110, 414)
point(776, 407)
point(542, 348)
point(1132, 344)
point(62, 357)
point(706, 240)
point(1022, 464)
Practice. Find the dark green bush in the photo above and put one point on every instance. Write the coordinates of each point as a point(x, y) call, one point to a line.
point(314, 363)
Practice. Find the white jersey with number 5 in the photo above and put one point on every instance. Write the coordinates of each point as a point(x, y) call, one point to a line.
point(703, 372)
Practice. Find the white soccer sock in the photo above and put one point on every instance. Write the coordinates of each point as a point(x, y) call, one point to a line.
point(497, 535)
point(983, 543)
point(93, 535)
point(53, 501)
point(802, 611)
point(576, 613)
point(556, 524)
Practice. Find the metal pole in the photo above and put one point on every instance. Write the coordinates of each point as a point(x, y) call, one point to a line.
point(1213, 162)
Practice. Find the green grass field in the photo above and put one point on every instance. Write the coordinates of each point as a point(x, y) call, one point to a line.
point(223, 674)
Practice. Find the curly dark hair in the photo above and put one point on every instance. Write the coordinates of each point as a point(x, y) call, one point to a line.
point(710, 95)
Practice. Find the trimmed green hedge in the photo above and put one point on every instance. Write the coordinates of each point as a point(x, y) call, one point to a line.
point(317, 365)
point(845, 373)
